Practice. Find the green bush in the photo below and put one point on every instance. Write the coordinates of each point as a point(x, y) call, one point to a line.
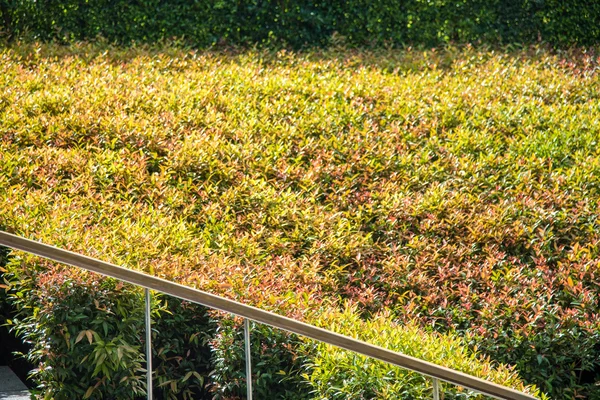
point(181, 351)
point(339, 374)
point(300, 23)
point(87, 335)
point(83, 337)
point(277, 362)
point(5, 308)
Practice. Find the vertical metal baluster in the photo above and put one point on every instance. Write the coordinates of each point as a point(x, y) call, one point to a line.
point(248, 359)
point(436, 389)
point(148, 347)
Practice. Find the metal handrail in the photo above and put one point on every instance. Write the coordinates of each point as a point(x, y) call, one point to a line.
point(265, 317)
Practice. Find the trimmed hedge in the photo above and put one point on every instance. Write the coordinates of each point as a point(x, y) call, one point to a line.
point(300, 23)
point(457, 187)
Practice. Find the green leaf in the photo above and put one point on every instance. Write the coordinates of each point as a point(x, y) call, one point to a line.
point(89, 392)
point(187, 376)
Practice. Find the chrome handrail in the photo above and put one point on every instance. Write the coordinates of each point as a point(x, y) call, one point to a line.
point(265, 317)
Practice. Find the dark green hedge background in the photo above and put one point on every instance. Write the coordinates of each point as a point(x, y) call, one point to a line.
point(298, 23)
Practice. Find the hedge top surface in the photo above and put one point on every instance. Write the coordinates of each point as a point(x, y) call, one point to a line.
point(458, 186)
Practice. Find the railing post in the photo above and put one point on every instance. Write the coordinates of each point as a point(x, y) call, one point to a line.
point(436, 389)
point(248, 359)
point(148, 345)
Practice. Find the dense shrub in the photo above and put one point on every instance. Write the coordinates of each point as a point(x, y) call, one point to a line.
point(81, 336)
point(181, 352)
point(458, 188)
point(339, 374)
point(87, 335)
point(301, 23)
point(278, 360)
point(5, 311)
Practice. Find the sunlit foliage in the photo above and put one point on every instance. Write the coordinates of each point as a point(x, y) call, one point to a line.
point(458, 187)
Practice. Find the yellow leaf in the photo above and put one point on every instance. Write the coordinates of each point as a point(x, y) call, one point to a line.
point(88, 333)
point(570, 282)
point(80, 336)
